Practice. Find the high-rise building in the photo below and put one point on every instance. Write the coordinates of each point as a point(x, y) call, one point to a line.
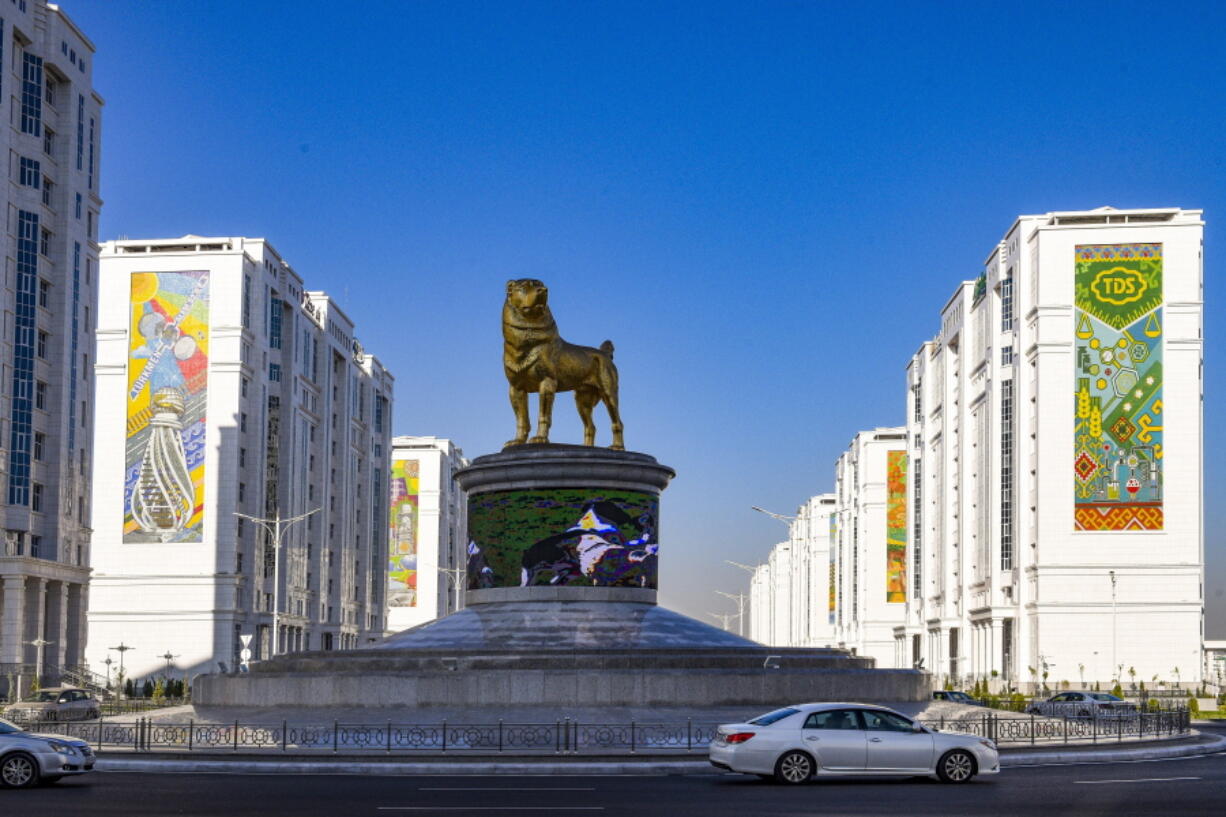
point(1055, 432)
point(49, 302)
point(870, 549)
point(812, 571)
point(228, 394)
point(770, 598)
point(427, 523)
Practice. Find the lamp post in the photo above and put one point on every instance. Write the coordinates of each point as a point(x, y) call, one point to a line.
point(121, 649)
point(38, 644)
point(723, 618)
point(170, 657)
point(456, 576)
point(784, 518)
point(1111, 573)
point(276, 528)
point(739, 598)
point(108, 663)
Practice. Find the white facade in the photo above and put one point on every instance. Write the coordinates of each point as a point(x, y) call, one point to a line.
point(297, 418)
point(433, 550)
point(49, 302)
point(770, 598)
point(864, 617)
point(812, 622)
point(1006, 580)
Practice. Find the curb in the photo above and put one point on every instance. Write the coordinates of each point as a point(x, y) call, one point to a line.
point(550, 766)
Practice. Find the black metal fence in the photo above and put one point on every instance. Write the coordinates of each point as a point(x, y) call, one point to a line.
point(559, 737)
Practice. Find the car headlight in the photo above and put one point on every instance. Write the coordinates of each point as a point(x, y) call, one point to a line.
point(61, 748)
point(988, 744)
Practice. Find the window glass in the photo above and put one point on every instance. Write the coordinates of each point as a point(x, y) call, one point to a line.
point(876, 721)
point(833, 719)
point(764, 720)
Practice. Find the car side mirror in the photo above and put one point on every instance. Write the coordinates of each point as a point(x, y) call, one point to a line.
point(918, 727)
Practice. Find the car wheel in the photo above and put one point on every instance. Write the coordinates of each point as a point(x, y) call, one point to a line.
point(794, 768)
point(18, 771)
point(93, 714)
point(956, 767)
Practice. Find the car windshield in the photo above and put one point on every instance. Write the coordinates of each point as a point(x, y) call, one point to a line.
point(42, 696)
point(7, 728)
point(771, 717)
point(1103, 696)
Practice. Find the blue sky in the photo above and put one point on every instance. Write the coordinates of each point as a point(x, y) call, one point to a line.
point(764, 205)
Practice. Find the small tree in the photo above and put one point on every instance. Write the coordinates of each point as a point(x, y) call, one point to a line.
point(1096, 688)
point(129, 689)
point(159, 690)
point(34, 685)
point(1117, 690)
point(1193, 704)
point(147, 689)
point(1153, 705)
point(1132, 674)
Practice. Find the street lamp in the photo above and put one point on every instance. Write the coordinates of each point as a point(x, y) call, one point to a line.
point(169, 660)
point(276, 528)
point(739, 598)
point(1111, 573)
point(39, 643)
point(456, 576)
point(121, 649)
point(108, 663)
point(723, 618)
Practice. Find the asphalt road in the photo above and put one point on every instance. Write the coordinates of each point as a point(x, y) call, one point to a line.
point(1184, 787)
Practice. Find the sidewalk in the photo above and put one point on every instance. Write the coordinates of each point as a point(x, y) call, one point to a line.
point(645, 764)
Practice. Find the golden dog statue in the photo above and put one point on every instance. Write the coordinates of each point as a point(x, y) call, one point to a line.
point(536, 359)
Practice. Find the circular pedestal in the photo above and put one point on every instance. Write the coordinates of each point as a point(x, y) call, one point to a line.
point(563, 523)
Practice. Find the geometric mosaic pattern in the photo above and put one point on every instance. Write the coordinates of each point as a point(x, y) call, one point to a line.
point(1117, 402)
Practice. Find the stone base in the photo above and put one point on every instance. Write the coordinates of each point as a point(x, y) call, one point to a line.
point(560, 654)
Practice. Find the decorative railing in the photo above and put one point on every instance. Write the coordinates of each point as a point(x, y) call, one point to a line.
point(559, 737)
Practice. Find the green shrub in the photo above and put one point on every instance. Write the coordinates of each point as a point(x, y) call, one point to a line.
point(1118, 691)
point(1153, 705)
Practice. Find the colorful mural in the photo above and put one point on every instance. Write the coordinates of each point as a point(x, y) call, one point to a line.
point(896, 526)
point(168, 367)
point(1117, 456)
point(834, 538)
point(554, 536)
point(402, 535)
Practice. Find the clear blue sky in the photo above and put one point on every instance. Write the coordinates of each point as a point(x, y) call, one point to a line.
point(763, 204)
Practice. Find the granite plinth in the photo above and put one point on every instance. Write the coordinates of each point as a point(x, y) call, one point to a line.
point(560, 654)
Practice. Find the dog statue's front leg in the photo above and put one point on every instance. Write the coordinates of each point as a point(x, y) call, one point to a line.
point(519, 402)
point(545, 414)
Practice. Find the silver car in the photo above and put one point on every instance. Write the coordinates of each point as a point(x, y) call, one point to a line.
point(55, 704)
point(1083, 704)
point(27, 759)
point(794, 744)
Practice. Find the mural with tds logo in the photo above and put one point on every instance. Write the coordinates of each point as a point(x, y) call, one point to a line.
point(402, 534)
point(896, 526)
point(168, 368)
point(556, 536)
point(1117, 402)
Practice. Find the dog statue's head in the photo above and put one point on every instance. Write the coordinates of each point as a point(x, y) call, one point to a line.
point(528, 296)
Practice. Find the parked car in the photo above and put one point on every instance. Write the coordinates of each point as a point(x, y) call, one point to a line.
point(793, 744)
point(955, 697)
point(1083, 704)
point(28, 759)
point(55, 704)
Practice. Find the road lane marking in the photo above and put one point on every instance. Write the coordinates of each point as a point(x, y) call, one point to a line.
point(1137, 780)
point(491, 808)
point(507, 788)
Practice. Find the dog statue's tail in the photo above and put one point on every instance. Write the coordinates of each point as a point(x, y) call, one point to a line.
point(607, 348)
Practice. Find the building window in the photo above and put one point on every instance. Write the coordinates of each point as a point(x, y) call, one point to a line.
point(49, 91)
point(36, 547)
point(918, 391)
point(243, 387)
point(42, 345)
point(274, 372)
point(1006, 475)
point(20, 415)
point(36, 497)
point(242, 492)
point(40, 442)
point(40, 395)
point(80, 131)
point(49, 141)
point(32, 95)
point(1006, 303)
point(73, 342)
point(29, 172)
point(1006, 355)
point(274, 323)
point(242, 422)
point(89, 225)
point(77, 211)
point(90, 180)
point(917, 527)
point(48, 186)
point(44, 243)
point(242, 457)
point(44, 292)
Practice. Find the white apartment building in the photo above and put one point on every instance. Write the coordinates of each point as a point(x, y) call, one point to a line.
point(228, 393)
point(1055, 432)
point(869, 548)
point(428, 523)
point(49, 303)
point(770, 598)
point(809, 540)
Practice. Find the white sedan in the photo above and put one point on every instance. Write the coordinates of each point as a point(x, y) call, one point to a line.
point(795, 743)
